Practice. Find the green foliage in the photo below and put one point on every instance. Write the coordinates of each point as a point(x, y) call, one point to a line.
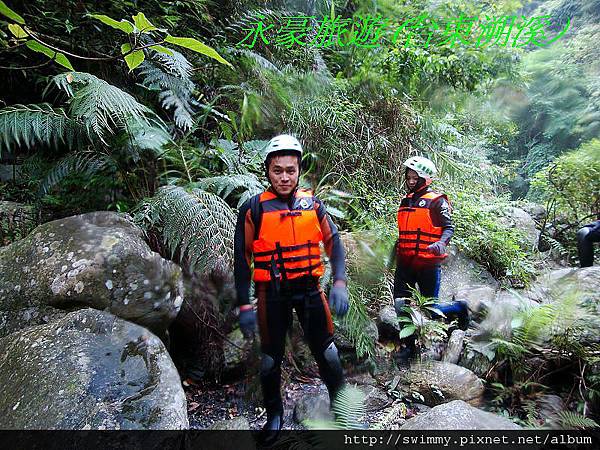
point(169, 75)
point(414, 321)
point(102, 107)
point(85, 163)
point(132, 52)
point(570, 420)
point(225, 185)
point(32, 125)
point(197, 226)
point(556, 114)
point(572, 183)
point(356, 322)
point(480, 235)
point(348, 409)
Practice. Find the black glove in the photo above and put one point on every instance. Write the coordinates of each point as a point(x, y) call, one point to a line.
point(437, 248)
point(247, 322)
point(338, 300)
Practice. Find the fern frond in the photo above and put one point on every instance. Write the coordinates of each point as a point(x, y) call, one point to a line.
point(349, 408)
point(354, 324)
point(102, 107)
point(84, 163)
point(224, 185)
point(570, 420)
point(31, 125)
point(170, 77)
point(197, 224)
point(145, 136)
point(257, 58)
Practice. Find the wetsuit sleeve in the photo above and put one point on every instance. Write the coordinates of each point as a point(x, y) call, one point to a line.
point(441, 217)
point(594, 230)
point(242, 253)
point(332, 242)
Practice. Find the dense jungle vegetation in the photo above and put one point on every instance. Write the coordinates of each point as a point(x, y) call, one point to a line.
point(153, 109)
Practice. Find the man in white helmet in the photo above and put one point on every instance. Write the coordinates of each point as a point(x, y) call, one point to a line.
point(281, 231)
point(424, 231)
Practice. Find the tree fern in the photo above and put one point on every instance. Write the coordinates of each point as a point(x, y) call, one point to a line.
point(169, 75)
point(197, 225)
point(84, 163)
point(32, 125)
point(149, 136)
point(225, 185)
point(102, 107)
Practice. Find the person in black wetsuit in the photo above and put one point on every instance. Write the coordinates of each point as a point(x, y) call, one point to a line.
point(586, 236)
point(280, 232)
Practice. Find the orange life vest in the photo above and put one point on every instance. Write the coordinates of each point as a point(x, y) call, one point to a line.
point(416, 230)
point(287, 243)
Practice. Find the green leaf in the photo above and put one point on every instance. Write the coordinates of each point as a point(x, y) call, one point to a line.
point(6, 11)
point(161, 49)
point(132, 59)
point(143, 24)
point(124, 25)
point(56, 56)
point(405, 319)
point(197, 46)
point(407, 331)
point(17, 31)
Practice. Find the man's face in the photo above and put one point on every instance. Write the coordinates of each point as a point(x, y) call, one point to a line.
point(411, 178)
point(283, 174)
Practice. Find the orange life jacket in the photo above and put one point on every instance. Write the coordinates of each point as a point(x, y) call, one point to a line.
point(287, 243)
point(416, 230)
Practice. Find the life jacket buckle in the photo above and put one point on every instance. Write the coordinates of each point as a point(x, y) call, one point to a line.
point(290, 213)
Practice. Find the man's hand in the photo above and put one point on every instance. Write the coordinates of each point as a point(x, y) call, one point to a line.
point(338, 298)
point(437, 248)
point(247, 320)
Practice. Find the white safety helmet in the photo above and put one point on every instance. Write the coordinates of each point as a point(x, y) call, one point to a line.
point(283, 142)
point(423, 166)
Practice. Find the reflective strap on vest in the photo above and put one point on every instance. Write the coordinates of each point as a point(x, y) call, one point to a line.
point(287, 245)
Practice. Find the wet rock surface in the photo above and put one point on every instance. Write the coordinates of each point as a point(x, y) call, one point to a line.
point(89, 370)
point(458, 415)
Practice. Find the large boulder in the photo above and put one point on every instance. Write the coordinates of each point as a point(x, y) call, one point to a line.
point(478, 357)
point(513, 217)
point(89, 370)
point(537, 212)
point(479, 299)
point(558, 283)
point(458, 415)
point(578, 291)
point(313, 408)
point(461, 273)
point(96, 260)
point(387, 322)
point(235, 350)
point(439, 382)
point(500, 314)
